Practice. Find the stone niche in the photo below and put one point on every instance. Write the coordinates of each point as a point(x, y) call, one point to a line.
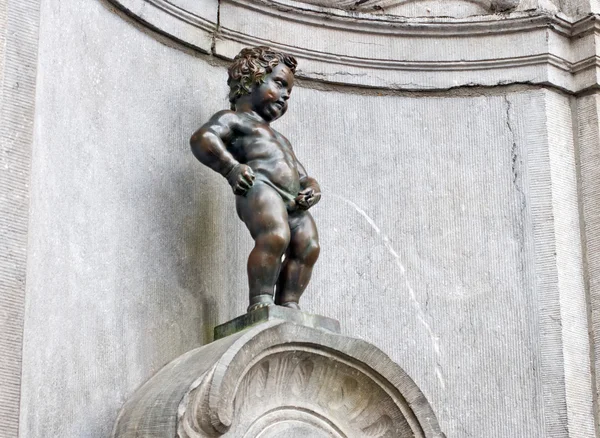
point(292, 375)
point(394, 44)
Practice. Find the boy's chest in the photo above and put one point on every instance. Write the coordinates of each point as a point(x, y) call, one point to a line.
point(261, 139)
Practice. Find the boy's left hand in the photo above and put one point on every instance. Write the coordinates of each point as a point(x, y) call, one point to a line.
point(307, 198)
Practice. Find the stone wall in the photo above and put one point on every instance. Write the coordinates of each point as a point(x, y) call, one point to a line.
point(457, 158)
point(18, 60)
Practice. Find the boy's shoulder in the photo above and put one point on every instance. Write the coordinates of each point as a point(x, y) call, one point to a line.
point(225, 117)
point(281, 136)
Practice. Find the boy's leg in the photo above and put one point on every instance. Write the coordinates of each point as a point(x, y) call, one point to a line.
point(300, 258)
point(265, 215)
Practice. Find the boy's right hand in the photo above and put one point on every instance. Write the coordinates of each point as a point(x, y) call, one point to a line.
point(241, 178)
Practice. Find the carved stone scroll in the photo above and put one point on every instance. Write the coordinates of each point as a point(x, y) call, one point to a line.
point(280, 379)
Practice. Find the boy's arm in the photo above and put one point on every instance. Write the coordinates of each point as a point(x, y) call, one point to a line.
point(208, 146)
point(311, 191)
point(307, 182)
point(208, 143)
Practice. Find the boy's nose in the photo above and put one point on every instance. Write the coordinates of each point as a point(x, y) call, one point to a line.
point(285, 96)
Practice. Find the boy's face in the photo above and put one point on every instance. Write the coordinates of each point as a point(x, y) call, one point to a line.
point(269, 99)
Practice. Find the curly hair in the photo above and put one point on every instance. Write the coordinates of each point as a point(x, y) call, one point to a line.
point(251, 66)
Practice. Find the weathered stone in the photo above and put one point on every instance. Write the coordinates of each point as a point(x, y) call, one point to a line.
point(280, 378)
point(398, 45)
point(19, 20)
point(430, 7)
point(189, 21)
point(270, 313)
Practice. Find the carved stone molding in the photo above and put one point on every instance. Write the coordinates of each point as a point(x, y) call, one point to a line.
point(190, 22)
point(280, 379)
point(485, 6)
point(386, 51)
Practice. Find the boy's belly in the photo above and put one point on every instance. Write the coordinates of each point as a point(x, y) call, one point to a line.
point(279, 175)
point(288, 199)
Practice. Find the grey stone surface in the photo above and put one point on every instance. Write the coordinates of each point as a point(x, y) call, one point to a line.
point(399, 45)
point(578, 8)
point(419, 53)
point(588, 141)
point(271, 313)
point(458, 8)
point(280, 377)
point(460, 216)
point(191, 22)
point(438, 208)
point(18, 47)
point(559, 274)
point(129, 243)
point(431, 8)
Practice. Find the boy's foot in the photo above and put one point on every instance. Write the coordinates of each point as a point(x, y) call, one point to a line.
point(291, 305)
point(260, 301)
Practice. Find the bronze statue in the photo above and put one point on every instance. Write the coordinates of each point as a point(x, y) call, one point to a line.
point(273, 191)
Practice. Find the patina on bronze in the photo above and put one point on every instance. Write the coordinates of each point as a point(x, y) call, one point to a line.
point(272, 189)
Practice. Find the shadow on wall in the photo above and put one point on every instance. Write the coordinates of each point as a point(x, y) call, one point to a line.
point(198, 253)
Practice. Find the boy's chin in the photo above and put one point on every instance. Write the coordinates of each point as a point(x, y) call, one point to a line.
point(279, 114)
point(273, 112)
point(271, 117)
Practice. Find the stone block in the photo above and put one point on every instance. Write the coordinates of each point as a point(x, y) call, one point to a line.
point(271, 313)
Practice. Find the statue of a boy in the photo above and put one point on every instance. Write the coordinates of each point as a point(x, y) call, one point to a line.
point(273, 191)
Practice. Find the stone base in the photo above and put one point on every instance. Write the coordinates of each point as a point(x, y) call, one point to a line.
point(281, 372)
point(271, 313)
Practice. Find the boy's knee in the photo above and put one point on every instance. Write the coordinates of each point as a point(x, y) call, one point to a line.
point(311, 253)
point(274, 241)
